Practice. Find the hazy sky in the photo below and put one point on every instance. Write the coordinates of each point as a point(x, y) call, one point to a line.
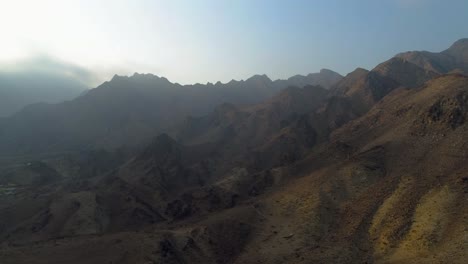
point(198, 41)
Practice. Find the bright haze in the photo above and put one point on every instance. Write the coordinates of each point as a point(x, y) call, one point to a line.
point(209, 41)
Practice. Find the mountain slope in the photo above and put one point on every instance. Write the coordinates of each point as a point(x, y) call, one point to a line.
point(388, 188)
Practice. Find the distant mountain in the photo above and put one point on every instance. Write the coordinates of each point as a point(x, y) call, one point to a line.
point(452, 60)
point(325, 78)
point(409, 70)
point(131, 110)
point(365, 88)
point(18, 90)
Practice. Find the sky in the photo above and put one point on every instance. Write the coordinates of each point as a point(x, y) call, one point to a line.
point(215, 40)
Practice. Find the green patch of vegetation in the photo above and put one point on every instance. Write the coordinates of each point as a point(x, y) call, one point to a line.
point(8, 189)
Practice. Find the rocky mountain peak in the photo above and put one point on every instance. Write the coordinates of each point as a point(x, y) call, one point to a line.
point(329, 72)
point(259, 78)
point(461, 44)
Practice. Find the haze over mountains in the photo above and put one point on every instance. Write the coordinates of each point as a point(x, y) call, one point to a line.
point(131, 110)
point(39, 80)
point(366, 168)
point(18, 90)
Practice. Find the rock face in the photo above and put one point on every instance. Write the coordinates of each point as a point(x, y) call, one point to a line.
point(371, 171)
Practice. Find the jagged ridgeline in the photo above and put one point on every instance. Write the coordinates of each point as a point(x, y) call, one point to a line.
point(129, 111)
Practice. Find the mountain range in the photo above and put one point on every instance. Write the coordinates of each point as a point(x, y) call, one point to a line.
point(365, 168)
point(131, 110)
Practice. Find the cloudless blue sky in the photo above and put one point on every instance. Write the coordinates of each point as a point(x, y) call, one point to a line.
point(208, 40)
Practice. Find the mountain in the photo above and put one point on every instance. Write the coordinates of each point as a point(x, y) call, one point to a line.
point(128, 111)
point(325, 78)
point(387, 76)
point(452, 60)
point(252, 133)
point(409, 69)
